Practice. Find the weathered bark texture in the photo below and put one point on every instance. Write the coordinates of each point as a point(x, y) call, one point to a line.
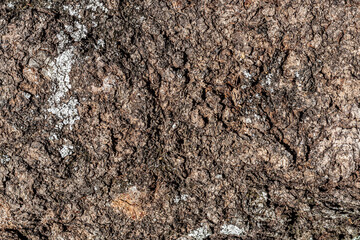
point(152, 119)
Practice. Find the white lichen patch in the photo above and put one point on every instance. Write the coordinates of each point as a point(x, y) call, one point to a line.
point(100, 44)
point(4, 159)
point(66, 150)
point(27, 95)
point(59, 73)
point(264, 196)
point(96, 4)
point(247, 74)
point(10, 5)
point(78, 32)
point(201, 233)
point(248, 120)
point(268, 79)
point(67, 112)
point(355, 111)
point(73, 11)
point(95, 24)
point(182, 197)
point(49, 4)
point(53, 137)
point(231, 230)
point(108, 83)
point(62, 41)
point(142, 18)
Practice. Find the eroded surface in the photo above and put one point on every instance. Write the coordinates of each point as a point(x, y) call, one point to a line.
point(179, 119)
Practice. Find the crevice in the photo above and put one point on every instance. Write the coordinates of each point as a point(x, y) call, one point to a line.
point(307, 153)
point(114, 141)
point(273, 129)
point(287, 147)
point(18, 233)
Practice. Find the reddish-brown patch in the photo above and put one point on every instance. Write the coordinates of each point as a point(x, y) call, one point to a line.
point(131, 204)
point(33, 79)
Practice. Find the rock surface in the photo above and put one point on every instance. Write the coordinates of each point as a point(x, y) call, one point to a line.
point(179, 119)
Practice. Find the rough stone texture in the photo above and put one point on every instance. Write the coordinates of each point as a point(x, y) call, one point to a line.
point(179, 119)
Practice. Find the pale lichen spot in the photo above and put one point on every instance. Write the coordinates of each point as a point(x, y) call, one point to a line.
point(66, 150)
point(355, 111)
point(53, 137)
point(96, 4)
point(108, 83)
point(10, 5)
point(78, 32)
point(182, 197)
point(73, 11)
point(100, 43)
point(247, 74)
point(27, 95)
point(268, 79)
point(59, 72)
point(4, 159)
point(200, 233)
point(67, 112)
point(233, 230)
point(62, 40)
point(219, 176)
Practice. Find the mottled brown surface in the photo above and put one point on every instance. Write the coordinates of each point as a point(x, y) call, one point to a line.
point(179, 119)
